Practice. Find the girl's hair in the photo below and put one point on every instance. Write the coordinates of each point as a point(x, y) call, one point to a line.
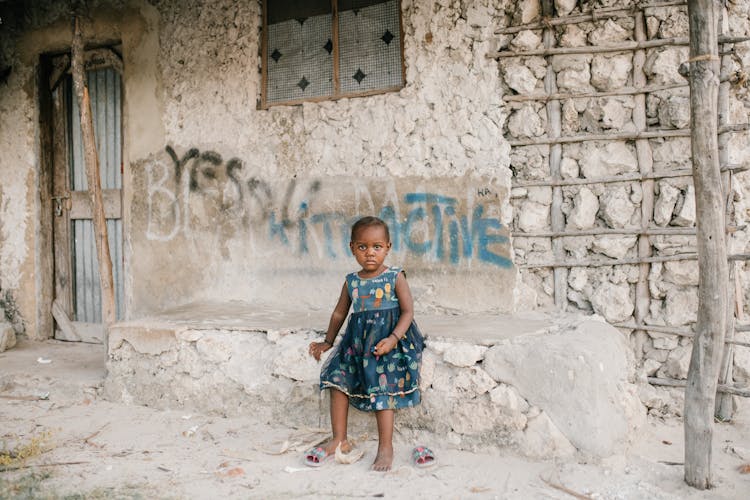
point(367, 222)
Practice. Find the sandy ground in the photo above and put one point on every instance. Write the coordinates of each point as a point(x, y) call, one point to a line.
point(84, 447)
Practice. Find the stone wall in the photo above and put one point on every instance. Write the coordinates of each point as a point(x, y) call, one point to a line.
point(508, 388)
point(611, 290)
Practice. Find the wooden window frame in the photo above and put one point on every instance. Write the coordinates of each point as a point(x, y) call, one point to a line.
point(337, 94)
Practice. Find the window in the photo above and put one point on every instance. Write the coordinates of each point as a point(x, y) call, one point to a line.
point(324, 49)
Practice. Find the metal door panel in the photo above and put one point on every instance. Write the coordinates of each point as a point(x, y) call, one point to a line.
point(105, 95)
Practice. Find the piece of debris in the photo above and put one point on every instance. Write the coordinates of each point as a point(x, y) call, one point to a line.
point(190, 432)
point(744, 469)
point(479, 489)
point(664, 441)
point(43, 361)
point(738, 451)
point(292, 470)
point(348, 458)
point(233, 472)
point(668, 462)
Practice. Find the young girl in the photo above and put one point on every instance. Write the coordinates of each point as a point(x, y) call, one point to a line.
point(375, 367)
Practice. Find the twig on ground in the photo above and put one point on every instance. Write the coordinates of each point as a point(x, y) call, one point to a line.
point(87, 438)
point(24, 398)
point(562, 488)
point(18, 467)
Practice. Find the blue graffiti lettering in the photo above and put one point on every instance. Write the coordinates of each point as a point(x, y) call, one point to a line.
point(431, 226)
point(277, 228)
point(480, 227)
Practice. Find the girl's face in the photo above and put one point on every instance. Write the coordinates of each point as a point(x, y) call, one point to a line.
point(370, 247)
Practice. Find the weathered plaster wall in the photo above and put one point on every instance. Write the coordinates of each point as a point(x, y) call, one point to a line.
point(28, 32)
point(19, 146)
point(212, 215)
point(191, 82)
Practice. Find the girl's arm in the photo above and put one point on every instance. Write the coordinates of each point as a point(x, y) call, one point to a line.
point(338, 316)
point(406, 304)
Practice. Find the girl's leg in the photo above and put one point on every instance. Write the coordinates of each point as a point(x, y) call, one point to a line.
point(384, 458)
point(339, 417)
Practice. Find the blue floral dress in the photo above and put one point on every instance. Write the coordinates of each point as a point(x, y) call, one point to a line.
point(375, 382)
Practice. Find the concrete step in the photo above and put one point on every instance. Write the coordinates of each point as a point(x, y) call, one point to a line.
point(52, 370)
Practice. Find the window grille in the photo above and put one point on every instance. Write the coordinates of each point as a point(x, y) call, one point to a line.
point(326, 49)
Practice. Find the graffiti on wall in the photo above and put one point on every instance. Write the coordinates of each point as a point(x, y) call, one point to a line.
point(439, 221)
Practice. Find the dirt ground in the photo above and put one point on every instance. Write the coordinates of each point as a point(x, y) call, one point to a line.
point(77, 445)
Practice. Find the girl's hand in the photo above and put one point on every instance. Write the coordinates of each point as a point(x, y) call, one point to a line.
point(318, 348)
point(385, 346)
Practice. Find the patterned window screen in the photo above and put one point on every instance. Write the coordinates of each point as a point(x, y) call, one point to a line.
point(307, 42)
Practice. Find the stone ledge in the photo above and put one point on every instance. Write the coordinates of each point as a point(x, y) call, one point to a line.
point(486, 380)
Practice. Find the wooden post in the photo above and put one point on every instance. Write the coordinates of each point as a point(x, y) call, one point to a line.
point(93, 178)
point(646, 167)
point(554, 128)
point(45, 325)
point(725, 401)
point(700, 392)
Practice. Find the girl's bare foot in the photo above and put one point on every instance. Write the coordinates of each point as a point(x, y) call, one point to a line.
point(384, 459)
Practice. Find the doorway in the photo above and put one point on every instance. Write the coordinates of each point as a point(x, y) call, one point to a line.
point(77, 306)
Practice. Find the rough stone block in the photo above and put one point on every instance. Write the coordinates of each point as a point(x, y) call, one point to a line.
point(616, 207)
point(573, 36)
point(145, 340)
point(519, 78)
point(650, 367)
point(292, 360)
point(569, 168)
point(665, 203)
point(683, 273)
point(681, 306)
point(678, 362)
point(663, 340)
point(591, 360)
point(585, 207)
point(526, 40)
point(614, 114)
point(685, 213)
point(533, 216)
point(608, 33)
point(464, 354)
point(543, 439)
point(7, 336)
point(508, 397)
point(659, 355)
point(574, 80)
point(663, 67)
point(528, 10)
point(616, 247)
point(525, 122)
point(674, 112)
point(217, 348)
point(610, 72)
point(613, 301)
point(564, 7)
point(578, 278)
point(474, 381)
point(611, 159)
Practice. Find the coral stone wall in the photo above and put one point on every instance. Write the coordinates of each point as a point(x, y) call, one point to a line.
point(611, 290)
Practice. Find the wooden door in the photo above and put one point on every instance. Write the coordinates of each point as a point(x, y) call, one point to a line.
point(77, 304)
